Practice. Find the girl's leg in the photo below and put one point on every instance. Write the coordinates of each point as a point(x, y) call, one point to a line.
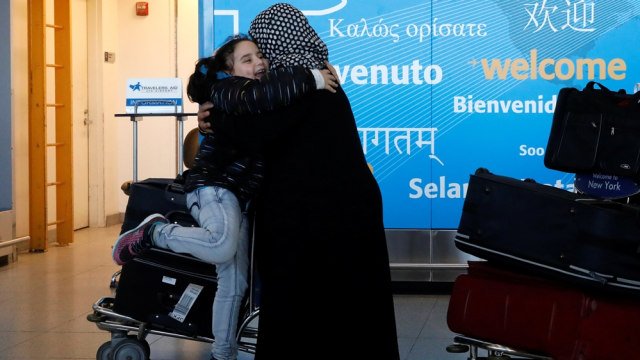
point(216, 240)
point(232, 285)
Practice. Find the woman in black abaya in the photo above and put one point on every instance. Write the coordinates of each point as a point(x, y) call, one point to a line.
point(320, 243)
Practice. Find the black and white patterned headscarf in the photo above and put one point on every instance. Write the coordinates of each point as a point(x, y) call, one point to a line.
point(284, 36)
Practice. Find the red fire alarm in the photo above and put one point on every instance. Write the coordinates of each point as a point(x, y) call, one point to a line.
point(142, 8)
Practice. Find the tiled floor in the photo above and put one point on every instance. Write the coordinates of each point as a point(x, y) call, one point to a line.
point(45, 298)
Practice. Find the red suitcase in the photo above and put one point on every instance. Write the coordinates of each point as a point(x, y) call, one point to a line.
point(542, 316)
point(611, 331)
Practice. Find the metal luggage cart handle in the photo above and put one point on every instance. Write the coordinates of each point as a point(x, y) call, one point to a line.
point(179, 136)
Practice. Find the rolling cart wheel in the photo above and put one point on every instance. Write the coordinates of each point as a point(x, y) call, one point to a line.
point(144, 343)
point(457, 348)
point(129, 349)
point(105, 351)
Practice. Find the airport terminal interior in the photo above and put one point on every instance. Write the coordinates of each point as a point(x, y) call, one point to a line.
point(46, 297)
point(439, 90)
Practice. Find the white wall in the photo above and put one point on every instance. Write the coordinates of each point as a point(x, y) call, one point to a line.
point(144, 47)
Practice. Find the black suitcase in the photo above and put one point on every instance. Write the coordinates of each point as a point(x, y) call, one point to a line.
point(169, 291)
point(575, 237)
point(157, 195)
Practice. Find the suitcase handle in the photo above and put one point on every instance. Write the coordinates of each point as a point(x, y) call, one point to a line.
point(181, 217)
point(591, 87)
point(175, 188)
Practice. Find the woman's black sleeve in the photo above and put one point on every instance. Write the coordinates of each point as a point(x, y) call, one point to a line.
point(276, 89)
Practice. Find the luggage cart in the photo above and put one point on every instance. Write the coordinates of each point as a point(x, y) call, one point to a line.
point(128, 335)
point(625, 190)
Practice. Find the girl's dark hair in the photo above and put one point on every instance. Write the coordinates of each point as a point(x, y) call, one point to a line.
point(208, 70)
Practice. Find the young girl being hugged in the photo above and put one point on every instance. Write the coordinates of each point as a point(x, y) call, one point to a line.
point(223, 179)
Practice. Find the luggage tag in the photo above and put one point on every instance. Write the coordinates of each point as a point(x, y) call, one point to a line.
point(606, 186)
point(186, 301)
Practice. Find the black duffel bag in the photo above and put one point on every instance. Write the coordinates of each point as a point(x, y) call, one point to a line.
point(595, 130)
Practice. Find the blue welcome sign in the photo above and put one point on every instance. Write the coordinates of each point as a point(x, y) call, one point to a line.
point(441, 88)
